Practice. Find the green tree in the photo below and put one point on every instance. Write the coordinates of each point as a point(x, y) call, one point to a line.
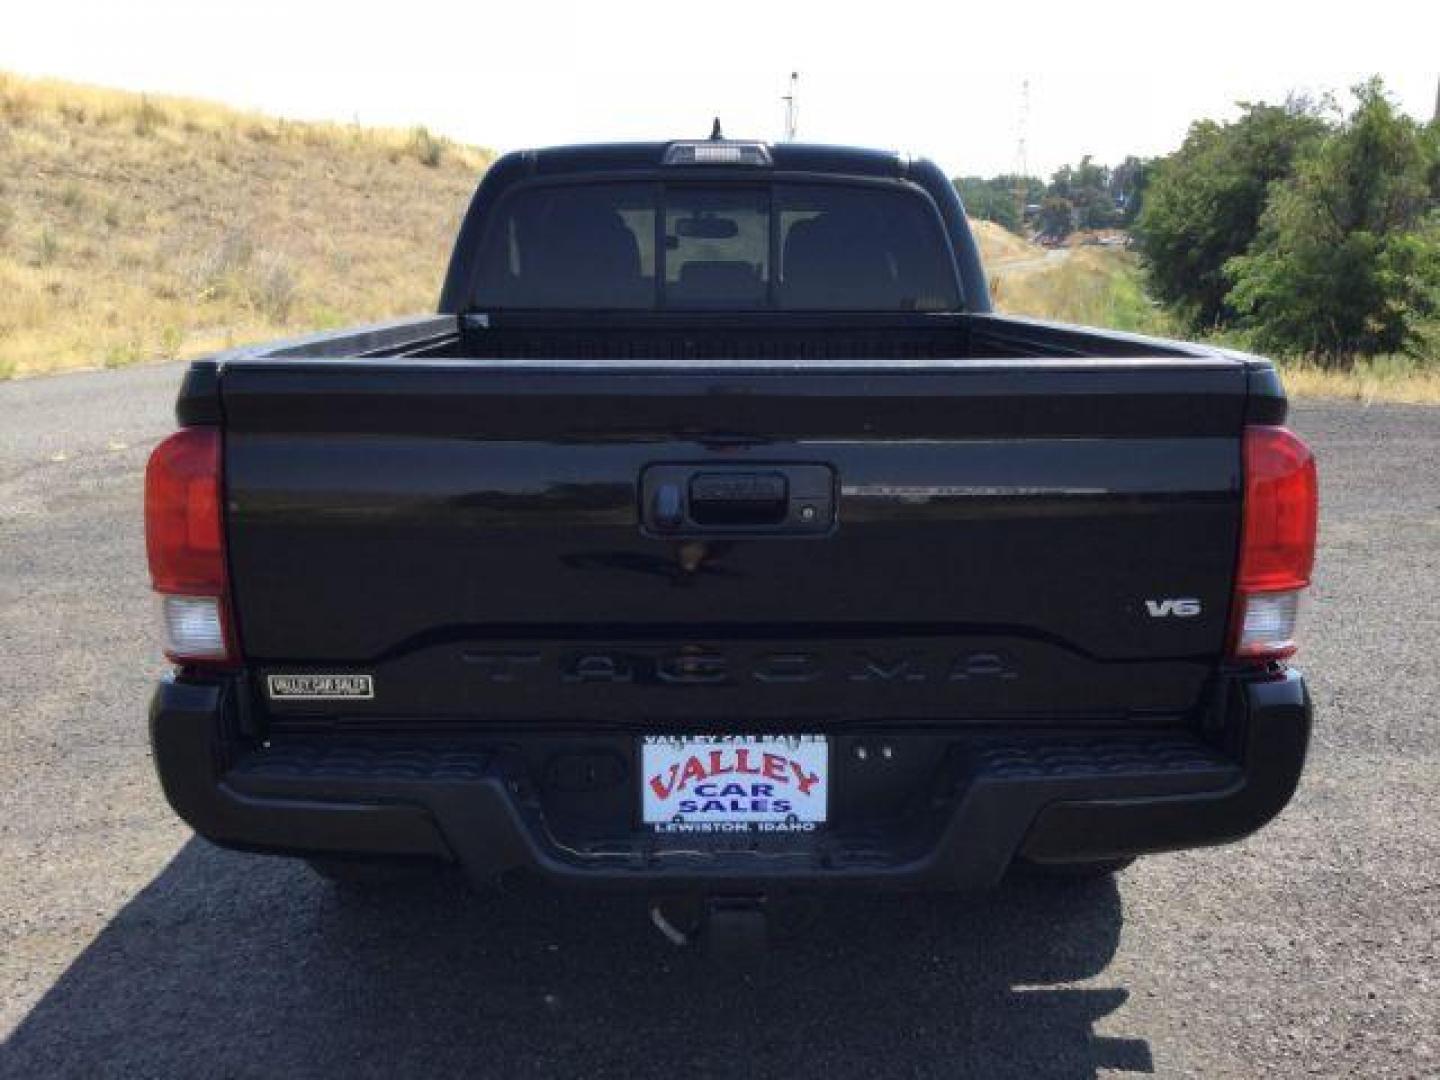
point(1347, 261)
point(1203, 203)
point(1056, 218)
point(1030, 188)
point(989, 201)
point(1000, 199)
point(1127, 187)
point(1087, 188)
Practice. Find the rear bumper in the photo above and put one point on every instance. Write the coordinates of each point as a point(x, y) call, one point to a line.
point(1045, 797)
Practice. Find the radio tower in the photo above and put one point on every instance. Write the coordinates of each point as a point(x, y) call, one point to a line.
point(792, 107)
point(1022, 160)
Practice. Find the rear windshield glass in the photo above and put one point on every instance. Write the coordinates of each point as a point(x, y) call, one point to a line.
point(642, 246)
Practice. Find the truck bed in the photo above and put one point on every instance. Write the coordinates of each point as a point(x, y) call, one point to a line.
point(789, 337)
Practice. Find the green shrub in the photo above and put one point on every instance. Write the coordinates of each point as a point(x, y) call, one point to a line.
point(123, 354)
point(1203, 203)
point(1347, 262)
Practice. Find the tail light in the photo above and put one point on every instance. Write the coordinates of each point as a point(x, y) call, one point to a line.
point(1277, 543)
point(185, 543)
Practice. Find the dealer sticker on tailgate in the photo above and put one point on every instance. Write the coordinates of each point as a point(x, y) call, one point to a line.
point(734, 783)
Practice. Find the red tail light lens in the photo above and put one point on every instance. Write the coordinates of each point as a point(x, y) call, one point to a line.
point(183, 536)
point(1277, 543)
point(184, 540)
point(1278, 548)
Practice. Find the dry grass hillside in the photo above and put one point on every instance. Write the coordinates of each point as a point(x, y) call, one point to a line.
point(999, 245)
point(136, 228)
point(1091, 286)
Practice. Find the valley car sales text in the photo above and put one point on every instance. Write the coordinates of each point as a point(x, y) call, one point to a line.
point(733, 781)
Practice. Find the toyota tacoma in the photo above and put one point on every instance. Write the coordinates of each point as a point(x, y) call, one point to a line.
point(716, 539)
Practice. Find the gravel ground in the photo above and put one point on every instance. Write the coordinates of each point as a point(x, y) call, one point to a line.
point(129, 948)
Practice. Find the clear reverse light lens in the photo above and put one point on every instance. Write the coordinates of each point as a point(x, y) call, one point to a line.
point(1269, 626)
point(194, 628)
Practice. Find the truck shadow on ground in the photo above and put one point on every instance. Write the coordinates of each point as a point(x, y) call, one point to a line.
point(240, 965)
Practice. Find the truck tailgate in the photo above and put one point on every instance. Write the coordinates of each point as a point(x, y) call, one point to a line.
point(1048, 540)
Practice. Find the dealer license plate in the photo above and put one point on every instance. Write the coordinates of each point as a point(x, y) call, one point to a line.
point(734, 783)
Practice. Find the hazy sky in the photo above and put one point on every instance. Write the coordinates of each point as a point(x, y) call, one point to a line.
point(940, 79)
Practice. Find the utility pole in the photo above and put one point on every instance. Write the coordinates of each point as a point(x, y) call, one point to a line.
point(792, 107)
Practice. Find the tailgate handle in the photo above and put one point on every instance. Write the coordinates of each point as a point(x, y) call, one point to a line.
point(733, 498)
point(683, 500)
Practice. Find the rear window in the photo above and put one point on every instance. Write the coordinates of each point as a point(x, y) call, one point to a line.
point(782, 246)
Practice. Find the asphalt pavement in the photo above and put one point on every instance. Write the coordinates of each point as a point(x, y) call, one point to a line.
point(129, 948)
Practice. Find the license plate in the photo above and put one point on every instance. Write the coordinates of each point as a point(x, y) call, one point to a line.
point(734, 783)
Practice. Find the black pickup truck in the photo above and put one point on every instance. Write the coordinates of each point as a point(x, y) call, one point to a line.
point(716, 539)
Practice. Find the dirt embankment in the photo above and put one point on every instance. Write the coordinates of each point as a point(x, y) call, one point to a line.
point(138, 228)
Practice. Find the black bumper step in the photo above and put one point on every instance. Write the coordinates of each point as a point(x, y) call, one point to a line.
point(323, 767)
point(984, 800)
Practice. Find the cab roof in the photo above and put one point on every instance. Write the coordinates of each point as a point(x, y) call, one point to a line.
point(647, 156)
